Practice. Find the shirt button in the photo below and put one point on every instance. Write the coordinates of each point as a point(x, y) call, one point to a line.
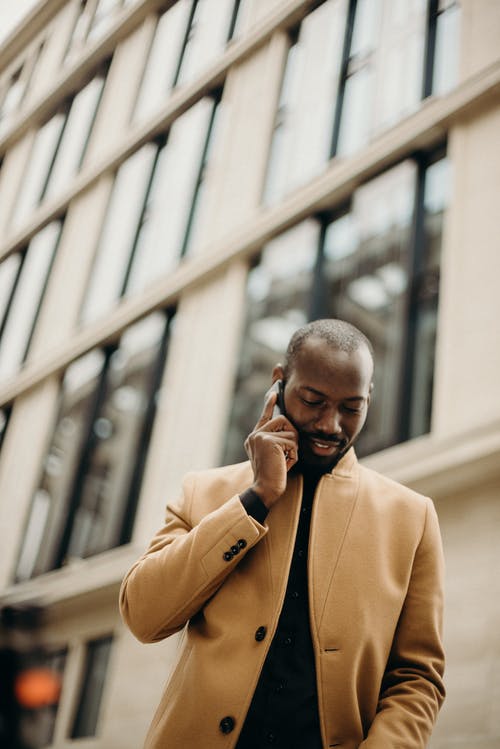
point(279, 687)
point(271, 737)
point(242, 543)
point(260, 633)
point(227, 556)
point(300, 553)
point(295, 594)
point(287, 641)
point(227, 724)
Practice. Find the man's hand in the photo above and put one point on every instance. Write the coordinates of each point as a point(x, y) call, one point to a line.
point(273, 449)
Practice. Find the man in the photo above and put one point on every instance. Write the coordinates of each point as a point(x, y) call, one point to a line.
point(311, 586)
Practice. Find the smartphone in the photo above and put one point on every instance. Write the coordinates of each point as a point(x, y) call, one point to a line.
point(279, 407)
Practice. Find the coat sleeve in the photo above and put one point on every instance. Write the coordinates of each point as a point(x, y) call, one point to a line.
point(412, 690)
point(185, 564)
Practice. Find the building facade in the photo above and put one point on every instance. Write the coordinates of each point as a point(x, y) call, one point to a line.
point(182, 184)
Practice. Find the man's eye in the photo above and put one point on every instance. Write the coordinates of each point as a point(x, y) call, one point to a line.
point(311, 403)
point(352, 410)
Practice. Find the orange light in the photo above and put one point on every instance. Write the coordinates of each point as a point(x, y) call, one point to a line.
point(37, 687)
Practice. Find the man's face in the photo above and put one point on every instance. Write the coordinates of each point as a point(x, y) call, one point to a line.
point(326, 397)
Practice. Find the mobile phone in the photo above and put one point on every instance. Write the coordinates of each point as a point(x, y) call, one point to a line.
point(279, 407)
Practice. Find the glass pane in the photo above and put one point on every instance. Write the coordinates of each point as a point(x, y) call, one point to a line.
point(94, 677)
point(163, 59)
point(357, 111)
point(278, 294)
point(80, 29)
point(38, 168)
point(436, 200)
point(446, 56)
point(164, 223)
point(12, 98)
point(117, 438)
point(207, 37)
point(366, 29)
point(366, 266)
point(51, 505)
point(75, 136)
point(119, 232)
point(25, 304)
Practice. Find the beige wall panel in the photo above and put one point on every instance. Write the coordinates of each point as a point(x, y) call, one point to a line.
point(469, 526)
point(194, 405)
point(133, 699)
point(480, 32)
point(72, 266)
point(468, 355)
point(22, 453)
point(11, 176)
point(120, 92)
point(236, 177)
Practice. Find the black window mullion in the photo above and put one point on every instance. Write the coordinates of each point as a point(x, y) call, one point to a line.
point(415, 264)
point(12, 294)
point(430, 47)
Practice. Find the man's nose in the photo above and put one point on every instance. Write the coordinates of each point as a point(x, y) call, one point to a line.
point(328, 422)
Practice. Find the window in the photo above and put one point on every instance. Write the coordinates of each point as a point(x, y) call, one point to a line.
point(23, 279)
point(92, 687)
point(374, 262)
point(354, 69)
point(91, 478)
point(58, 150)
point(154, 211)
point(188, 36)
point(304, 121)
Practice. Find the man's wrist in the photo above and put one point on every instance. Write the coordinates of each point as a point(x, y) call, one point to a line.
point(253, 504)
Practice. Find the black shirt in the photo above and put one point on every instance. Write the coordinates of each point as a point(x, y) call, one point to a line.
point(284, 709)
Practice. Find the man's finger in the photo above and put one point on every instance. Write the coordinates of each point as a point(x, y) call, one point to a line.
point(267, 411)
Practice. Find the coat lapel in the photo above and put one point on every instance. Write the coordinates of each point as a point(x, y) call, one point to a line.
point(334, 503)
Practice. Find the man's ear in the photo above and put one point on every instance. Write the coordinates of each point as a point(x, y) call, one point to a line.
point(278, 373)
point(370, 392)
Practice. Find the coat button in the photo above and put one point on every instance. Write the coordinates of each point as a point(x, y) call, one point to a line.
point(227, 724)
point(227, 556)
point(260, 633)
point(242, 543)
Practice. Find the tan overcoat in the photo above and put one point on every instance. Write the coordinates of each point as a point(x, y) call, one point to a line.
point(375, 590)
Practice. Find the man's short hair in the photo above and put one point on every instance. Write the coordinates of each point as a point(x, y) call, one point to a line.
point(340, 334)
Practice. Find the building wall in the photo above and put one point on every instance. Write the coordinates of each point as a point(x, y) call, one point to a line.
point(456, 462)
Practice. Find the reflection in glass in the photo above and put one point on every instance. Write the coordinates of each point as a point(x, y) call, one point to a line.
point(301, 140)
point(86, 499)
point(278, 293)
point(375, 264)
point(25, 301)
point(93, 681)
